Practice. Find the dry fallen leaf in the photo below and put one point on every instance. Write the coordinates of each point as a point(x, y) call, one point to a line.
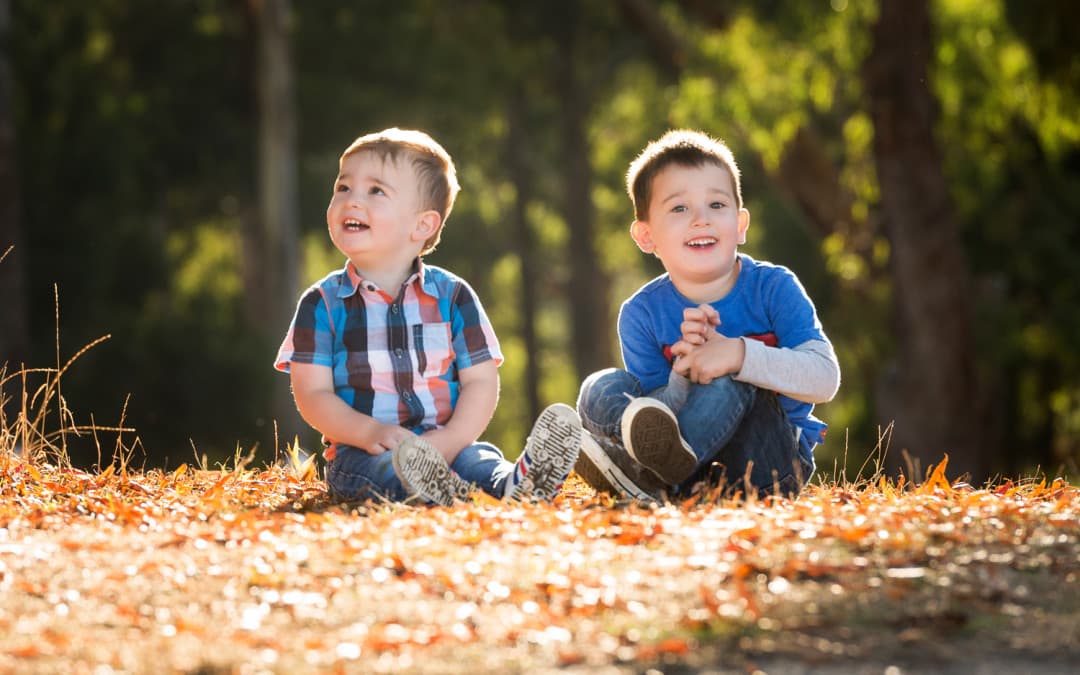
point(257, 570)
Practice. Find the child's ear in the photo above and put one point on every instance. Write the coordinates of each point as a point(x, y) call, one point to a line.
point(744, 224)
point(427, 225)
point(642, 236)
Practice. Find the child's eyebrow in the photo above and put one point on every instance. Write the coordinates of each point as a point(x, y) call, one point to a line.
point(673, 195)
point(377, 180)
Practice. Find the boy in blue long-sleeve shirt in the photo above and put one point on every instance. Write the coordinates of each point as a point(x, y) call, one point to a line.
point(725, 356)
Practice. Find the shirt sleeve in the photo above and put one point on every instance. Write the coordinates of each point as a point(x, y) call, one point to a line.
point(472, 333)
point(790, 311)
point(310, 338)
point(642, 353)
point(808, 372)
point(803, 365)
point(676, 392)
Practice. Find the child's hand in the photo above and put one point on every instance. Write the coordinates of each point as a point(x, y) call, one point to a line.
point(717, 357)
point(699, 323)
point(385, 437)
point(681, 365)
point(679, 350)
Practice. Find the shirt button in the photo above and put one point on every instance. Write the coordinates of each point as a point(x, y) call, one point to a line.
point(398, 352)
point(394, 309)
point(407, 395)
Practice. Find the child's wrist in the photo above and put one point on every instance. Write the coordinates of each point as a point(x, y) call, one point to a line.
point(740, 354)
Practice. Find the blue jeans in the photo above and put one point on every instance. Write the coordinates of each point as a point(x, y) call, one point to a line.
point(728, 424)
point(354, 474)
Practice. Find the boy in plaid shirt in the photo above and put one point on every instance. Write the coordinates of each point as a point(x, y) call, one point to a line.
point(395, 361)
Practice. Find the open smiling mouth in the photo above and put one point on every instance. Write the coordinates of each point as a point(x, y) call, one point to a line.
point(701, 243)
point(354, 225)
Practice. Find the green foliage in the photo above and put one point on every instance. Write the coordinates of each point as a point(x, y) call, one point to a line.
point(1014, 173)
point(136, 150)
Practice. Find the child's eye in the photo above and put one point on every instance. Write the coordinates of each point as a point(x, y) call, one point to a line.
point(341, 187)
point(717, 205)
point(678, 208)
point(375, 190)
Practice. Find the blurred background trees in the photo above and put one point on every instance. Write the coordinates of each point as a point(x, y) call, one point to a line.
point(167, 165)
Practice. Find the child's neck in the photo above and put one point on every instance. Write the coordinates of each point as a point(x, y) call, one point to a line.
point(388, 278)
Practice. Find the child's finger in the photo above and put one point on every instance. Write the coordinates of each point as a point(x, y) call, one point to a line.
point(693, 334)
point(681, 366)
point(695, 326)
point(696, 314)
point(681, 348)
point(710, 315)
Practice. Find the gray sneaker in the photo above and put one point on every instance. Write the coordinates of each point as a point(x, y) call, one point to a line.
point(424, 472)
point(607, 467)
point(549, 455)
point(650, 432)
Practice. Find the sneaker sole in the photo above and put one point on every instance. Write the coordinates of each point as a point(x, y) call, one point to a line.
point(647, 432)
point(424, 472)
point(553, 445)
point(596, 468)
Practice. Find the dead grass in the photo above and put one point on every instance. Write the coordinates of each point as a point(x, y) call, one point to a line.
point(254, 570)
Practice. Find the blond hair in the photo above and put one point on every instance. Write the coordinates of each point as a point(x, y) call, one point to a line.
point(435, 172)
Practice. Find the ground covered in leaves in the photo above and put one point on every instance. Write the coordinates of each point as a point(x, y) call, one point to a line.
point(253, 571)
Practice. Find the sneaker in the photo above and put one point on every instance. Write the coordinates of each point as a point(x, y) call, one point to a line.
point(549, 455)
point(424, 472)
point(651, 435)
point(607, 467)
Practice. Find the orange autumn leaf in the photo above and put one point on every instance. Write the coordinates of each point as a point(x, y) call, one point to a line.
point(676, 646)
point(27, 651)
point(936, 479)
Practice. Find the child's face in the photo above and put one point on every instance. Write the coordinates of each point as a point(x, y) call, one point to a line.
point(375, 217)
point(694, 225)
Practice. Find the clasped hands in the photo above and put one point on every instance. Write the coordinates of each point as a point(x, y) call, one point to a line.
point(703, 354)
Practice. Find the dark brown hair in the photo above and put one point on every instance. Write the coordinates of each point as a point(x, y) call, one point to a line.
point(683, 147)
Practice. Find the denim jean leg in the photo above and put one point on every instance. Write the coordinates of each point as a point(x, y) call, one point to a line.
point(769, 440)
point(354, 474)
point(603, 398)
point(712, 414)
point(709, 419)
point(754, 432)
point(483, 465)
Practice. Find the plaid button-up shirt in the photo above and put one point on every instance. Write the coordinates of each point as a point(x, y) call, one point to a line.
point(395, 359)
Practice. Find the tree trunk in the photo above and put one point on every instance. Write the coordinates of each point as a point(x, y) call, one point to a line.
point(812, 180)
point(933, 394)
point(14, 337)
point(590, 321)
point(517, 154)
point(278, 188)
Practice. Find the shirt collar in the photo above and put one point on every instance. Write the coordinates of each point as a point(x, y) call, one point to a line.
point(352, 280)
